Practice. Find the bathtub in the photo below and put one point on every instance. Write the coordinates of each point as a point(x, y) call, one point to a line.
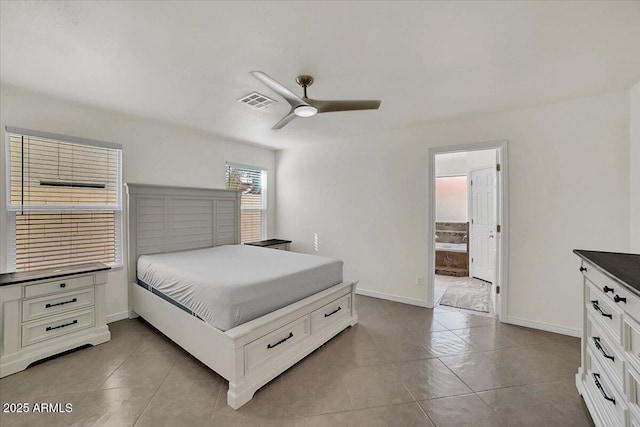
point(451, 247)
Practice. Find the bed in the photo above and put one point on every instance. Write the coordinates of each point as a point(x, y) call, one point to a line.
point(262, 319)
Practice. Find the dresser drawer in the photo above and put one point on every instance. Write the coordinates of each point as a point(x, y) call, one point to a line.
point(54, 304)
point(331, 313)
point(57, 286)
point(51, 327)
point(604, 311)
point(604, 394)
point(608, 286)
point(627, 301)
point(268, 347)
point(606, 352)
point(617, 293)
point(633, 395)
point(632, 341)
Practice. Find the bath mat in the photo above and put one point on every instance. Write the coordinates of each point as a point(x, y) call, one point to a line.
point(470, 295)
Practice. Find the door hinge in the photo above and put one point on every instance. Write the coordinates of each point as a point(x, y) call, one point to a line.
point(471, 220)
point(498, 228)
point(497, 289)
point(498, 167)
point(471, 259)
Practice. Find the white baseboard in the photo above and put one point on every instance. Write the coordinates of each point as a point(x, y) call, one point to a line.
point(544, 326)
point(512, 320)
point(391, 297)
point(117, 316)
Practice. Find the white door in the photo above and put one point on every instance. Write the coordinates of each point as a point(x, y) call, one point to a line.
point(482, 241)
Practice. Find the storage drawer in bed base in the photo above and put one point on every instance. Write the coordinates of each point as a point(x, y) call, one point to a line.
point(252, 354)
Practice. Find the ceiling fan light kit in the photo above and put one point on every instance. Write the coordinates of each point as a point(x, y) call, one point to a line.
point(307, 107)
point(305, 111)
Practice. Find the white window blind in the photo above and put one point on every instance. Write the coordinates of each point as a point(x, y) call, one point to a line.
point(64, 201)
point(253, 204)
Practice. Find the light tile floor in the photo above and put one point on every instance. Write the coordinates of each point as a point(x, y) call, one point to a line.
point(400, 366)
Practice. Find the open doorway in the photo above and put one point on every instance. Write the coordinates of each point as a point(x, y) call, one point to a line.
point(468, 228)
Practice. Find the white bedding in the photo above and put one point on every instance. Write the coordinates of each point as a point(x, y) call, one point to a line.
point(230, 285)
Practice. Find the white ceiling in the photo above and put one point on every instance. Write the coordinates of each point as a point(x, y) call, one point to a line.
point(188, 62)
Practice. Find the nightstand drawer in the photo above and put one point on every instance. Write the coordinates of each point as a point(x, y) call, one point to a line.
point(282, 247)
point(51, 327)
point(54, 304)
point(331, 313)
point(57, 286)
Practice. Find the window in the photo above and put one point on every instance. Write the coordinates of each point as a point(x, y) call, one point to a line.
point(64, 201)
point(451, 199)
point(253, 205)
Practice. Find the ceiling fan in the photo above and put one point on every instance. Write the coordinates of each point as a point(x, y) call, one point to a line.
point(307, 107)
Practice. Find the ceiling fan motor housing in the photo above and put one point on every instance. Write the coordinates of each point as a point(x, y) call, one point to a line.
point(304, 80)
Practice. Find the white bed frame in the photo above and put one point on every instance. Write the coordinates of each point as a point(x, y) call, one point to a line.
point(168, 219)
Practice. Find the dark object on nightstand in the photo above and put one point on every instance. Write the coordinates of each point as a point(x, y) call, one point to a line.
point(283, 245)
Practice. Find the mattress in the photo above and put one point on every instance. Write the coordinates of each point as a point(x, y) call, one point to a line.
point(229, 285)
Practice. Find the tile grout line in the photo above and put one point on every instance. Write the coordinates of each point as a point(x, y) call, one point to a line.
point(456, 375)
point(155, 392)
point(416, 401)
point(424, 411)
point(215, 404)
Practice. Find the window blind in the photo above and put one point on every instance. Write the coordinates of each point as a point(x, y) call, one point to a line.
point(253, 204)
point(64, 202)
point(45, 173)
point(56, 239)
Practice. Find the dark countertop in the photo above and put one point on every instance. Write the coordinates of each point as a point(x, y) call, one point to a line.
point(269, 242)
point(622, 267)
point(51, 273)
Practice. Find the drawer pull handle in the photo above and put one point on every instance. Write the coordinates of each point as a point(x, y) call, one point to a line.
point(63, 285)
point(618, 299)
point(51, 328)
point(596, 378)
point(597, 308)
point(583, 269)
point(270, 346)
point(333, 312)
point(61, 303)
point(596, 341)
point(607, 289)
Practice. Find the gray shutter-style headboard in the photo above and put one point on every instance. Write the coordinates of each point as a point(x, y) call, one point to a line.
point(169, 219)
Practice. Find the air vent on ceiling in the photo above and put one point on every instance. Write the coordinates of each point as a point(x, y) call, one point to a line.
point(257, 101)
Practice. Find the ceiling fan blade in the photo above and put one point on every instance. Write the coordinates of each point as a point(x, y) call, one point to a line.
point(293, 99)
point(346, 105)
point(286, 119)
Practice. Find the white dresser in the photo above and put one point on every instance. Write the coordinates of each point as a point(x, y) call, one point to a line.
point(47, 312)
point(609, 376)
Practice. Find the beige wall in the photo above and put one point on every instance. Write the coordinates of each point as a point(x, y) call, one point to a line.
point(153, 153)
point(634, 164)
point(366, 199)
